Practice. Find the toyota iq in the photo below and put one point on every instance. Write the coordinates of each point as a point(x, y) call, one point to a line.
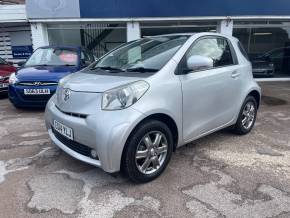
point(133, 107)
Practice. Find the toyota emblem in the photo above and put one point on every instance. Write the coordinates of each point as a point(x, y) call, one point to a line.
point(66, 94)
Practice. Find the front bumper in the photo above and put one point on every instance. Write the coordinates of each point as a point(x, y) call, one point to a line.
point(106, 132)
point(18, 98)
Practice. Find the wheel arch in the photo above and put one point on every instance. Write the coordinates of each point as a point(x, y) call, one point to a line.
point(168, 120)
point(257, 96)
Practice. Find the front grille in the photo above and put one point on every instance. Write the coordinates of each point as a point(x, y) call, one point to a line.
point(75, 146)
point(83, 116)
point(37, 83)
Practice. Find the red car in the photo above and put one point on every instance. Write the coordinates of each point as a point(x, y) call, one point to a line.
point(5, 70)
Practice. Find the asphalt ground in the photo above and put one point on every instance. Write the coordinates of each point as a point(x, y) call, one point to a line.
point(221, 175)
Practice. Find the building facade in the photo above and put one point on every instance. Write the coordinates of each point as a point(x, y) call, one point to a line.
point(15, 33)
point(262, 27)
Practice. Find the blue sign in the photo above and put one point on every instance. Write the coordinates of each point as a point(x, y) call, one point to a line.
point(154, 8)
point(182, 8)
point(22, 52)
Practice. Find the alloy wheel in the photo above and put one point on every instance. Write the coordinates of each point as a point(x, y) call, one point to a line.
point(249, 115)
point(151, 152)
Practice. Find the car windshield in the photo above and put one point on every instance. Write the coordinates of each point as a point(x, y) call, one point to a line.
point(149, 54)
point(53, 57)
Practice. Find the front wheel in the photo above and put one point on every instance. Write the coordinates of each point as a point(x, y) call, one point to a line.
point(148, 151)
point(247, 116)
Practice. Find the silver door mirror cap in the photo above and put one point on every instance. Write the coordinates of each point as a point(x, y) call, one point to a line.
point(198, 62)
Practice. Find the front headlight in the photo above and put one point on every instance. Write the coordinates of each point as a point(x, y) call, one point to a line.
point(13, 79)
point(124, 96)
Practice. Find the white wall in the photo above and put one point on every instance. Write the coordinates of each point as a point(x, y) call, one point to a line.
point(12, 13)
point(133, 31)
point(225, 27)
point(39, 35)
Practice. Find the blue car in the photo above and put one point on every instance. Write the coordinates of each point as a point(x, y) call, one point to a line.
point(36, 81)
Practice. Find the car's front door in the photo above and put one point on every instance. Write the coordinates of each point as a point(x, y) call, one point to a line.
point(210, 96)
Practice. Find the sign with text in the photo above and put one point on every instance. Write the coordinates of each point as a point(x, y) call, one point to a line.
point(22, 52)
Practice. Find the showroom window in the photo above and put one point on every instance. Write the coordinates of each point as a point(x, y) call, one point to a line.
point(99, 38)
point(158, 28)
point(268, 46)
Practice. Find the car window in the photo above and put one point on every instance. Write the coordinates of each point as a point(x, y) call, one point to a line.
point(216, 48)
point(243, 51)
point(53, 57)
point(147, 53)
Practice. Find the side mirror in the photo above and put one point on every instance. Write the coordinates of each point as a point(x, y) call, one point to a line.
point(197, 62)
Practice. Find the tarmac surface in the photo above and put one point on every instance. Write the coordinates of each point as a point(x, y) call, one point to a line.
point(221, 175)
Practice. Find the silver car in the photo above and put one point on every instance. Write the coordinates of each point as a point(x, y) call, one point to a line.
point(133, 107)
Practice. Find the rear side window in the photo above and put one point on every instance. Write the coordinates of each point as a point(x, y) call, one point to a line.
point(216, 48)
point(243, 51)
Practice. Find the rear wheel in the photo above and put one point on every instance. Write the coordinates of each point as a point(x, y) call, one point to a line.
point(148, 151)
point(247, 116)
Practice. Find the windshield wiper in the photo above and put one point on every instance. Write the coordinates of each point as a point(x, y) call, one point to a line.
point(69, 65)
point(40, 65)
point(109, 68)
point(142, 70)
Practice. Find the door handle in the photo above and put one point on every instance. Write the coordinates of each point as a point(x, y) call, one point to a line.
point(235, 74)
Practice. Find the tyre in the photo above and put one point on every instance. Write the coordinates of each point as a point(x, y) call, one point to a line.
point(148, 151)
point(247, 116)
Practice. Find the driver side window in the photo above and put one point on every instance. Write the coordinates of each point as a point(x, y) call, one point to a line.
point(216, 48)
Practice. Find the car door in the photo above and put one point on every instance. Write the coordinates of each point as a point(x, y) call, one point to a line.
point(210, 96)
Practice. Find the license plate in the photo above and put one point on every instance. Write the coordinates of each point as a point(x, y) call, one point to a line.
point(37, 91)
point(3, 85)
point(63, 129)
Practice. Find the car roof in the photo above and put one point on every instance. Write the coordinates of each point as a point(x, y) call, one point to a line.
point(173, 34)
point(196, 33)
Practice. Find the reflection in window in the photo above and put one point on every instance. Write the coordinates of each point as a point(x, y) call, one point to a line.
point(53, 57)
point(150, 53)
point(215, 48)
point(268, 48)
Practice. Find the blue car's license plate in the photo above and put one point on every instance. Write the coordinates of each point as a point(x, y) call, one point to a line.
point(37, 91)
